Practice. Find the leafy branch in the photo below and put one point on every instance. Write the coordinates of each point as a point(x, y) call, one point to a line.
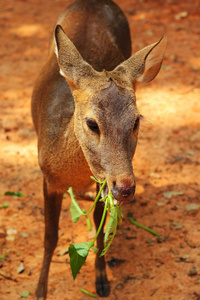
point(79, 252)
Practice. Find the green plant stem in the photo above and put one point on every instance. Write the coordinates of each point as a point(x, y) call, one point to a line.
point(102, 221)
point(97, 198)
point(143, 227)
point(87, 293)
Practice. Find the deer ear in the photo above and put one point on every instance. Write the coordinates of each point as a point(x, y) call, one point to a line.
point(153, 62)
point(72, 66)
point(144, 65)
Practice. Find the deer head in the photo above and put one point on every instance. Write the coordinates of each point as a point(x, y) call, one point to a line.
point(106, 118)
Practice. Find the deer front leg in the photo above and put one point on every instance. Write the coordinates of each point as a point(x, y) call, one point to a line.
point(102, 284)
point(52, 206)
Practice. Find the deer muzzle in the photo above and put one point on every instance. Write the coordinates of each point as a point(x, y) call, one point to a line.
point(123, 193)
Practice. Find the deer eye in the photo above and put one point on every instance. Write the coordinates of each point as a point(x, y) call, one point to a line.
point(137, 123)
point(93, 126)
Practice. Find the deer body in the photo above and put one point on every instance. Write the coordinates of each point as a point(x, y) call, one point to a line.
point(66, 164)
point(85, 115)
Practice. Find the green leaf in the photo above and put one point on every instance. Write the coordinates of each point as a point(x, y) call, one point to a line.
point(78, 254)
point(111, 229)
point(4, 205)
point(119, 215)
point(110, 201)
point(75, 210)
point(14, 194)
point(95, 249)
point(25, 294)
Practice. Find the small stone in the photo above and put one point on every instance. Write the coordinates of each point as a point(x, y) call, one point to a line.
point(192, 272)
point(149, 32)
point(161, 239)
point(169, 195)
point(63, 252)
point(23, 234)
point(182, 257)
point(155, 175)
point(181, 15)
point(177, 226)
point(29, 272)
point(10, 238)
point(21, 206)
point(150, 242)
point(192, 207)
point(11, 231)
point(192, 238)
point(160, 203)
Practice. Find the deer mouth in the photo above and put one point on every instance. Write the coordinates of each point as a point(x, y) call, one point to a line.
point(116, 202)
point(120, 196)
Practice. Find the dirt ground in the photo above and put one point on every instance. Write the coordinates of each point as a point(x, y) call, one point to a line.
point(166, 164)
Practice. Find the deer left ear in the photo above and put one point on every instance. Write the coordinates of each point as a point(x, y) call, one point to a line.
point(153, 62)
point(144, 65)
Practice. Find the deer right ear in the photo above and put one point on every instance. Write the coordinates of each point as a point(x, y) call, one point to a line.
point(73, 67)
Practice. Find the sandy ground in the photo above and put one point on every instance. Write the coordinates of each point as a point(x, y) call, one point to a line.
point(167, 162)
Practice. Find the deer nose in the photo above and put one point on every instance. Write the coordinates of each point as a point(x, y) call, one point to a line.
point(123, 193)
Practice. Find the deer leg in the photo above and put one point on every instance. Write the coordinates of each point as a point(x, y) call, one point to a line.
point(52, 205)
point(102, 284)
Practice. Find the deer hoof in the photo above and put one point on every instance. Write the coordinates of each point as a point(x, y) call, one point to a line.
point(102, 286)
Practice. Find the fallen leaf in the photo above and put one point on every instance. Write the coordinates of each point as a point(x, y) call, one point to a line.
point(21, 268)
point(25, 294)
point(190, 153)
point(14, 194)
point(4, 205)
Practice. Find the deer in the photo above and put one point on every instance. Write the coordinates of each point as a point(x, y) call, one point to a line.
point(85, 115)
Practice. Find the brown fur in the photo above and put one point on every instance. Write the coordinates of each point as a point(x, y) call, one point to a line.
point(98, 85)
